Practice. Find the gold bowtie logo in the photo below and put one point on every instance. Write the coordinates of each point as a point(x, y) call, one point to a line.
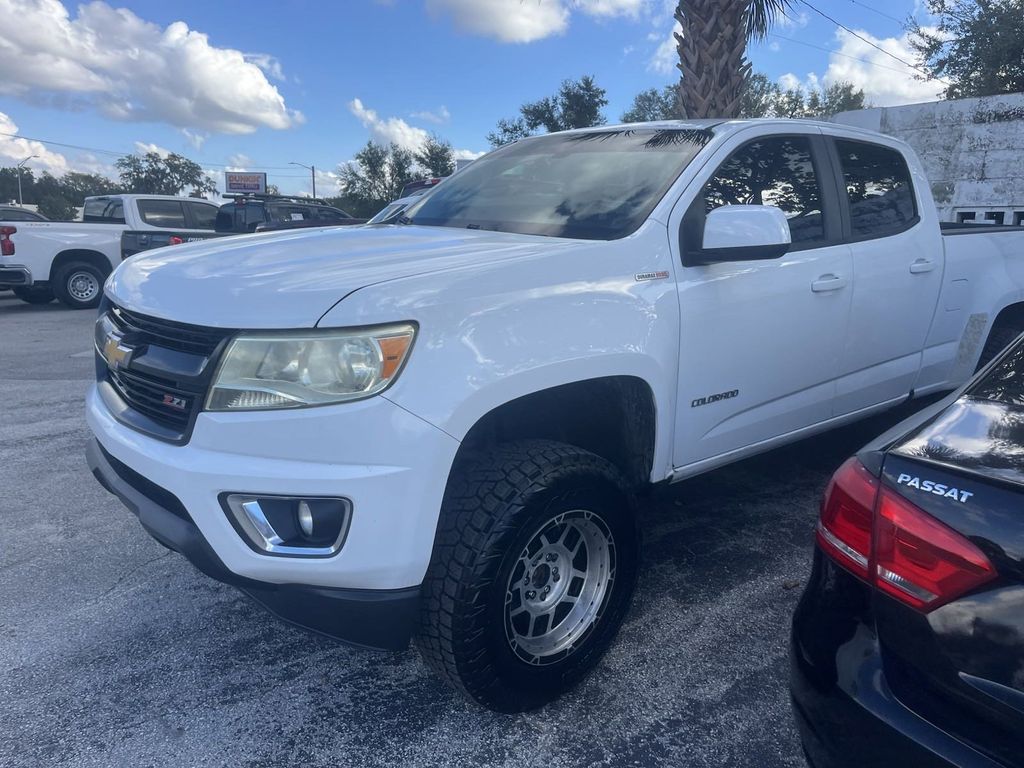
point(116, 355)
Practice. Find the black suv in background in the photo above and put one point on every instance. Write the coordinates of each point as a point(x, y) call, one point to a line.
point(258, 213)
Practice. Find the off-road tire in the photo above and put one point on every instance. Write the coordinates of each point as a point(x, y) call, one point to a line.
point(493, 505)
point(68, 277)
point(34, 294)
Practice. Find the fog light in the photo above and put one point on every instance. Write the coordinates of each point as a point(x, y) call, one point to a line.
point(294, 526)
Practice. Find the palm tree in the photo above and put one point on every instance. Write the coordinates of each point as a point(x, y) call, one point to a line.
point(712, 48)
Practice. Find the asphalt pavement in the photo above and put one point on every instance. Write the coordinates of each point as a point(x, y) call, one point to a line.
point(116, 652)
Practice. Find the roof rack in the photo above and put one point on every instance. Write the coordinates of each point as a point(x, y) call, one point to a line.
point(284, 198)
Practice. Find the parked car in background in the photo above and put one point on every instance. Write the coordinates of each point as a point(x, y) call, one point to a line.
point(259, 213)
point(908, 643)
point(70, 259)
point(439, 429)
point(421, 185)
point(19, 213)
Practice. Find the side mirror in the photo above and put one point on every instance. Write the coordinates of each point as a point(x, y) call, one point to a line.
point(744, 233)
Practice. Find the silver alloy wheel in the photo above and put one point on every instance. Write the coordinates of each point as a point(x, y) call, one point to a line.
point(558, 587)
point(83, 286)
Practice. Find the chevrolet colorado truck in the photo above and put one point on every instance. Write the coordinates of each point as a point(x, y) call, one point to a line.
point(439, 429)
point(69, 260)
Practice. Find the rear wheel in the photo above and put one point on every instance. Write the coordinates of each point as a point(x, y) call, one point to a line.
point(532, 573)
point(34, 294)
point(79, 285)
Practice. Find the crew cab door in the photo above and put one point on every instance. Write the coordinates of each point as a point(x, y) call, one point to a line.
point(897, 275)
point(761, 341)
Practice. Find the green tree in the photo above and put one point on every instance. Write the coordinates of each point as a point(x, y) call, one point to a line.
point(712, 51)
point(152, 174)
point(436, 157)
point(976, 46)
point(652, 104)
point(374, 178)
point(763, 98)
point(577, 104)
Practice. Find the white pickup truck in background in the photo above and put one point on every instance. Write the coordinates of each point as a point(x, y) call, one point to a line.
point(438, 429)
point(70, 260)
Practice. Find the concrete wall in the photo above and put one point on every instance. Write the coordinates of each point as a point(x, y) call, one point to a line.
point(972, 150)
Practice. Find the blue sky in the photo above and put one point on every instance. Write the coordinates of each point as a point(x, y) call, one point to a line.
point(260, 84)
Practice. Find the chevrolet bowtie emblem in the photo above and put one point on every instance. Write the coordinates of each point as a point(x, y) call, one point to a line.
point(116, 355)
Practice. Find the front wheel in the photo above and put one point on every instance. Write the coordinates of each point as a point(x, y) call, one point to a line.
point(532, 573)
point(79, 285)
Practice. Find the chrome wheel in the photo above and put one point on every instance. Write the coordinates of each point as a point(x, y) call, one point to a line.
point(558, 587)
point(83, 286)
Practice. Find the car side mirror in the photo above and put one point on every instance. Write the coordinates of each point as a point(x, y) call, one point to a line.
point(744, 233)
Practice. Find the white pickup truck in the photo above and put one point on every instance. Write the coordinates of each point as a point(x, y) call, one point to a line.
point(439, 428)
point(71, 259)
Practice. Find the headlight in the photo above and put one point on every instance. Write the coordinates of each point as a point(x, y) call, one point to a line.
point(291, 370)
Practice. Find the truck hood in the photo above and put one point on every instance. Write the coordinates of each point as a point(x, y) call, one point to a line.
point(290, 279)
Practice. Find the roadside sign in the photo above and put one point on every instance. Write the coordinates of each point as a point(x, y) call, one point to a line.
point(243, 181)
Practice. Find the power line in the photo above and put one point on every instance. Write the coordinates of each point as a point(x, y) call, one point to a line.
point(877, 47)
point(875, 10)
point(114, 153)
point(837, 53)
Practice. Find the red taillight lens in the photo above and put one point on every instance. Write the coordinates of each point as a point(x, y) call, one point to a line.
point(844, 530)
point(897, 547)
point(921, 561)
point(174, 240)
point(6, 244)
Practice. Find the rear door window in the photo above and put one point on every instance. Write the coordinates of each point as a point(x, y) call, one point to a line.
point(169, 214)
point(104, 210)
point(777, 171)
point(288, 213)
point(878, 188)
point(204, 215)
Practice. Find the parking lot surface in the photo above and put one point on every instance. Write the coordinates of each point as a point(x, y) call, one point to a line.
point(114, 651)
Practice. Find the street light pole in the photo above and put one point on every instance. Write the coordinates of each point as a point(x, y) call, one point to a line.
point(20, 165)
point(312, 174)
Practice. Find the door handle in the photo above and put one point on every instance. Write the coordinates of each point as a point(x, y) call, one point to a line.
point(827, 283)
point(922, 265)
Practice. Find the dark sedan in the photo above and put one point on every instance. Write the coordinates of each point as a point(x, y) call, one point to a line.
point(908, 643)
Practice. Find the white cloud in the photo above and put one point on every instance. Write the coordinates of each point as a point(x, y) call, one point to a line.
point(523, 21)
point(195, 138)
point(395, 129)
point(144, 148)
point(885, 81)
point(130, 69)
point(439, 117)
point(13, 150)
point(268, 64)
point(387, 130)
point(666, 56)
point(239, 161)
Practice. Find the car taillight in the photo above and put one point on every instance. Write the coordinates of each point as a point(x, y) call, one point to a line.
point(174, 240)
point(921, 561)
point(6, 243)
point(844, 529)
point(894, 545)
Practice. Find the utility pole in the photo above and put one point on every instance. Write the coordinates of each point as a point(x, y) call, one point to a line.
point(312, 174)
point(20, 165)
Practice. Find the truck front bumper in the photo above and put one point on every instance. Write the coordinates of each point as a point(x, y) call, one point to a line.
point(369, 618)
point(391, 465)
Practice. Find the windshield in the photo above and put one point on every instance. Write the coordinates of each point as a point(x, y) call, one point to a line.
point(596, 185)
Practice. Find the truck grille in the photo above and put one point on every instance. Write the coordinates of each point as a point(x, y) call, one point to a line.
point(159, 381)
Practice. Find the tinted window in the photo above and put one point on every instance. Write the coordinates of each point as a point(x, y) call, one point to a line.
point(162, 213)
point(878, 186)
point(332, 214)
point(596, 184)
point(104, 210)
point(9, 214)
point(286, 213)
point(203, 216)
point(776, 171)
point(1005, 382)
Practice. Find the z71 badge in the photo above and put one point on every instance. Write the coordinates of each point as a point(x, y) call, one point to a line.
point(939, 489)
